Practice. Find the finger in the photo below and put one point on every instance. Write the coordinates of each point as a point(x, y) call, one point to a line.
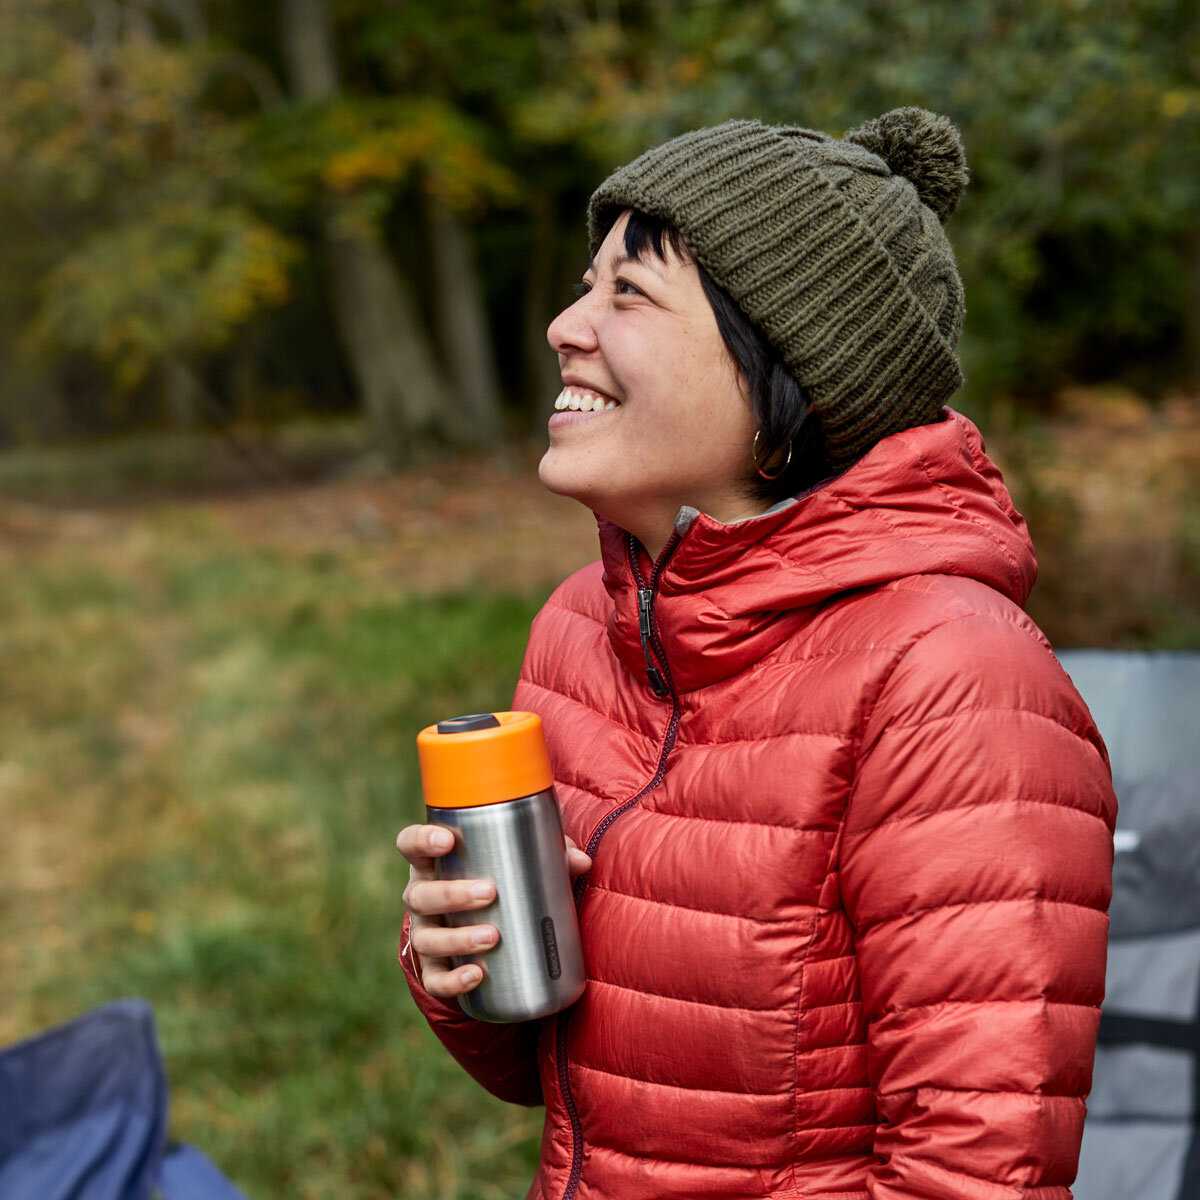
point(421, 844)
point(442, 941)
point(438, 897)
point(449, 983)
point(577, 861)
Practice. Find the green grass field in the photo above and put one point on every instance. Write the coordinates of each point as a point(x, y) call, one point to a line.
point(206, 751)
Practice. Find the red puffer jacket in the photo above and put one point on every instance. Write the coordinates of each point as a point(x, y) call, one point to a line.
point(845, 929)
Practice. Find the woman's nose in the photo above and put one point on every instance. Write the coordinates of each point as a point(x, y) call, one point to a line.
point(573, 328)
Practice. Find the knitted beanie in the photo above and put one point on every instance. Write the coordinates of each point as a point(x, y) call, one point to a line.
point(834, 248)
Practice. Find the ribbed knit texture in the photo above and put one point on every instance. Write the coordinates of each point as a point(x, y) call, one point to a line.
point(841, 261)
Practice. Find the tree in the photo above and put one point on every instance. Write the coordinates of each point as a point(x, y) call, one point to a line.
point(165, 199)
point(150, 255)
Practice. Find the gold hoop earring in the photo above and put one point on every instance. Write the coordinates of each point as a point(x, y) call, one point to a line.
point(786, 461)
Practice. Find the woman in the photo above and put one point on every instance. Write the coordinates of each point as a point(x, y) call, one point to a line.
point(845, 825)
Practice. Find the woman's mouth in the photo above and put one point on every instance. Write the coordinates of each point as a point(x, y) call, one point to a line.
point(575, 399)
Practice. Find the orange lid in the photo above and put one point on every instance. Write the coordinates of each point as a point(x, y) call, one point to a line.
point(483, 758)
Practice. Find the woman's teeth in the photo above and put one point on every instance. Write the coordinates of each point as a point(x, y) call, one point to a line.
point(578, 401)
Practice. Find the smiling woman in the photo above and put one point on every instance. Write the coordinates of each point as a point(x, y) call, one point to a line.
point(644, 334)
point(841, 825)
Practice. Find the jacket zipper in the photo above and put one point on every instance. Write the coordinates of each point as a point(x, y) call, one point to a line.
point(659, 675)
point(645, 628)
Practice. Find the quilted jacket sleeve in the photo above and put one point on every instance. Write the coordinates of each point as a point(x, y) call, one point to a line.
point(502, 1058)
point(976, 871)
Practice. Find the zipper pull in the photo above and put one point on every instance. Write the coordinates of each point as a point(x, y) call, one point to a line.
point(645, 600)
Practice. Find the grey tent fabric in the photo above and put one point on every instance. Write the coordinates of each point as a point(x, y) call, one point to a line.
point(1147, 707)
point(1142, 1135)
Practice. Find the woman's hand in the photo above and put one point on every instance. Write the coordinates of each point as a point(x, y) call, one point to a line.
point(428, 899)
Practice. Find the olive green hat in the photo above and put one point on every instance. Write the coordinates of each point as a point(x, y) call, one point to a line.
point(833, 247)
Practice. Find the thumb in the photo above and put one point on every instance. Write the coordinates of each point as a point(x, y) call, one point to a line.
point(577, 861)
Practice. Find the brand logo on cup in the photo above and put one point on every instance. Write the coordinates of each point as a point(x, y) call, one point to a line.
point(550, 945)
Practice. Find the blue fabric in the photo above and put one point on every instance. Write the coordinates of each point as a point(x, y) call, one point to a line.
point(188, 1175)
point(83, 1116)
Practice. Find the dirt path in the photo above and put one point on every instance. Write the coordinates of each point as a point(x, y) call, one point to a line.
point(438, 526)
point(1108, 486)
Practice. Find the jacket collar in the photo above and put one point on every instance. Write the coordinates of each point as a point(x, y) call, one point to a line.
point(927, 500)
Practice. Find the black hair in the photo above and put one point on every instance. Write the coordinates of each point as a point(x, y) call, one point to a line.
point(782, 412)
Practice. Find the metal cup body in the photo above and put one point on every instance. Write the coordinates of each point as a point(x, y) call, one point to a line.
point(536, 968)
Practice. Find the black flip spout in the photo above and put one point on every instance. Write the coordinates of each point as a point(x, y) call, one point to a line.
point(466, 724)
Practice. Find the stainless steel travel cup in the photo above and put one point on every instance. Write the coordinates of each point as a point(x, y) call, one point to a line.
point(487, 778)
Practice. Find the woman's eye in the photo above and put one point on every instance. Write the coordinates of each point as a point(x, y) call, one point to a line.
point(622, 287)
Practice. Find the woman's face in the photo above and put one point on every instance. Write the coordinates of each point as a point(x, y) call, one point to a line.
point(644, 335)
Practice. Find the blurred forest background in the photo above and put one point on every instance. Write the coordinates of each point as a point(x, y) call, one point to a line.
point(274, 283)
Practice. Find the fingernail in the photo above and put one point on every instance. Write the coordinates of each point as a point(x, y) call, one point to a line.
point(481, 891)
point(441, 840)
point(472, 975)
point(482, 937)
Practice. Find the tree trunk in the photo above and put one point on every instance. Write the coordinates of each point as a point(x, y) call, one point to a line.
point(462, 316)
point(308, 48)
point(1191, 312)
point(182, 396)
point(401, 387)
point(246, 397)
point(542, 379)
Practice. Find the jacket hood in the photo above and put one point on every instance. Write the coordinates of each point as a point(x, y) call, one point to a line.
point(924, 501)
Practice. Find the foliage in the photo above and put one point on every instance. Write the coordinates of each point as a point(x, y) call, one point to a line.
point(1110, 486)
point(1081, 121)
point(150, 254)
point(146, 133)
point(370, 150)
point(179, 281)
point(166, 179)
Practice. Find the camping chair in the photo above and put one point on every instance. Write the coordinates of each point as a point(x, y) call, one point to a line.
point(83, 1116)
point(1141, 1139)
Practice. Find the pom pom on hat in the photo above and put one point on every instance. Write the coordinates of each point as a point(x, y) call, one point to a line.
point(923, 147)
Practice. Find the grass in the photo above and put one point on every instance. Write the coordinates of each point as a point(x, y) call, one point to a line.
point(206, 751)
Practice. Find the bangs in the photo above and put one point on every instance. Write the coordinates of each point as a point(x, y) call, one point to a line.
point(655, 233)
